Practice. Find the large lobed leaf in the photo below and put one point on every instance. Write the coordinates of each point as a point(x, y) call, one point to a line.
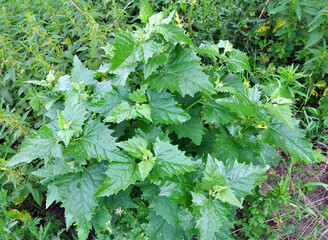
point(176, 188)
point(161, 204)
point(81, 74)
point(96, 142)
point(127, 55)
point(76, 192)
point(170, 160)
point(226, 147)
point(160, 229)
point(164, 109)
point(210, 214)
point(216, 113)
point(283, 113)
point(192, 128)
point(41, 144)
point(293, 142)
point(241, 177)
point(182, 73)
point(245, 103)
point(238, 61)
point(119, 176)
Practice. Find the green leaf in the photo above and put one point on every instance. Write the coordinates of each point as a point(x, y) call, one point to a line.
point(76, 192)
point(150, 48)
point(126, 49)
point(212, 175)
point(156, 19)
point(155, 29)
point(139, 95)
point(57, 166)
point(60, 119)
point(161, 229)
point(269, 155)
point(120, 175)
point(238, 61)
point(164, 109)
point(121, 112)
point(64, 83)
point(318, 156)
point(146, 166)
point(145, 11)
point(226, 195)
point(96, 142)
point(124, 111)
point(186, 221)
point(170, 160)
point(315, 37)
point(153, 63)
point(143, 110)
point(215, 113)
point(127, 55)
point(165, 208)
point(75, 97)
point(192, 128)
point(177, 35)
point(176, 188)
point(293, 142)
point(226, 45)
point(209, 50)
point(225, 230)
point(121, 199)
point(245, 103)
point(241, 177)
point(101, 220)
point(151, 132)
point(161, 204)
point(81, 74)
point(232, 81)
point(298, 9)
point(74, 116)
point(134, 146)
point(37, 197)
point(210, 214)
point(182, 73)
point(65, 136)
point(281, 7)
point(110, 100)
point(227, 147)
point(41, 144)
point(317, 21)
point(283, 113)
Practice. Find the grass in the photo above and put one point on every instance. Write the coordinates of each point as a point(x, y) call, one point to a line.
point(288, 205)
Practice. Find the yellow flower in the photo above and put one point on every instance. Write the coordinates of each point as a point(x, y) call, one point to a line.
point(246, 83)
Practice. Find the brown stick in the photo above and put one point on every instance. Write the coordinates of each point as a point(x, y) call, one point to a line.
point(267, 2)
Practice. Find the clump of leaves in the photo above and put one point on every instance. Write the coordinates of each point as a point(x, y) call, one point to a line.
point(158, 135)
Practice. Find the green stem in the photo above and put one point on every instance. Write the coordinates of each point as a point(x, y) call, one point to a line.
point(194, 103)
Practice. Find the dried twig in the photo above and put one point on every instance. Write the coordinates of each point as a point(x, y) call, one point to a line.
point(267, 2)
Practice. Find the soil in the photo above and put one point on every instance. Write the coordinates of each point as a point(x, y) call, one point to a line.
point(315, 200)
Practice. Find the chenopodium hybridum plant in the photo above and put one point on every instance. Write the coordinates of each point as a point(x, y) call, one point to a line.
point(156, 133)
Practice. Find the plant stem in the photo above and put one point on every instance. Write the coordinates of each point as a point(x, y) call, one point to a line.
point(194, 103)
